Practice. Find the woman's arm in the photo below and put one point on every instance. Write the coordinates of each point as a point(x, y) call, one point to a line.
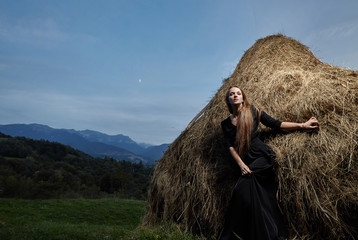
point(245, 170)
point(311, 124)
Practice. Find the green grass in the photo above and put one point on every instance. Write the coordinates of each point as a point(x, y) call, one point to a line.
point(81, 219)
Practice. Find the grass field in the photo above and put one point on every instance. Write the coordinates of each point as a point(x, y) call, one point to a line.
point(81, 219)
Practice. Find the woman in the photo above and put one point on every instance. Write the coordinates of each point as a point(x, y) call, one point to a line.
point(253, 212)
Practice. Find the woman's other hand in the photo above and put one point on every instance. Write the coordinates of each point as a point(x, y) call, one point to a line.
point(245, 170)
point(312, 123)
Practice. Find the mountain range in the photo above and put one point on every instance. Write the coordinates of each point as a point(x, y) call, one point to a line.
point(96, 144)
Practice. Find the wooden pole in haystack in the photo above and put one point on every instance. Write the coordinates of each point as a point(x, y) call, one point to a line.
point(318, 173)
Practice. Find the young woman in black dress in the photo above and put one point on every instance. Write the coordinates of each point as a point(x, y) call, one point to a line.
point(253, 213)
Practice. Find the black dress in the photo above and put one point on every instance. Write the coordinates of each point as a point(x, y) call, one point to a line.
point(253, 213)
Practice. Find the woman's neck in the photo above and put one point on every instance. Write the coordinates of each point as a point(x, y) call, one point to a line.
point(237, 109)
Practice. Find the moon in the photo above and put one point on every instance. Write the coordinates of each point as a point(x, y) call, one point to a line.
point(140, 80)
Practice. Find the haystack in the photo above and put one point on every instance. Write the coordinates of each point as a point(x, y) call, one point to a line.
point(318, 172)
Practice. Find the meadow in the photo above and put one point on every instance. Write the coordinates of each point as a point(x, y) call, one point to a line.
point(109, 218)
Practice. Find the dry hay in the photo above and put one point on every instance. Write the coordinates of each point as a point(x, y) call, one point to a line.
point(318, 172)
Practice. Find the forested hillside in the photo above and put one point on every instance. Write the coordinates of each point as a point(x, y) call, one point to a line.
point(42, 169)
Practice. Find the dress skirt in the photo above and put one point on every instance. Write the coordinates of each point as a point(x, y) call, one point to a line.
point(253, 212)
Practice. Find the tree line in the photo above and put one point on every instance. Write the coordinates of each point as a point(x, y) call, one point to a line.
point(41, 169)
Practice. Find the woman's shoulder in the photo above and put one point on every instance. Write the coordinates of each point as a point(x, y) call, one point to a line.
point(226, 120)
point(254, 110)
point(227, 126)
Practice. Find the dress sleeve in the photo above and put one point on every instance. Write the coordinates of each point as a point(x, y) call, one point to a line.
point(269, 121)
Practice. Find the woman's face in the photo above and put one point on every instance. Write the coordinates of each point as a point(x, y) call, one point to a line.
point(235, 96)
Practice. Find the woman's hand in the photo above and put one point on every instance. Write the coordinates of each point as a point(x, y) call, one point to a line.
point(245, 170)
point(312, 123)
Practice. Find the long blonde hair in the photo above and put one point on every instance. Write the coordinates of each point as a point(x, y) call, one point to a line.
point(244, 124)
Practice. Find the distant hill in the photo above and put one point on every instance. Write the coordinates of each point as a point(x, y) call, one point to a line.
point(155, 152)
point(119, 140)
point(96, 144)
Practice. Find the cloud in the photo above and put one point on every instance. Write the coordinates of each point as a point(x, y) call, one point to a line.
point(336, 43)
point(3, 66)
point(31, 30)
point(341, 30)
point(37, 31)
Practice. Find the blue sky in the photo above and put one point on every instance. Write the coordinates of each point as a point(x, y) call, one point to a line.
point(145, 68)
